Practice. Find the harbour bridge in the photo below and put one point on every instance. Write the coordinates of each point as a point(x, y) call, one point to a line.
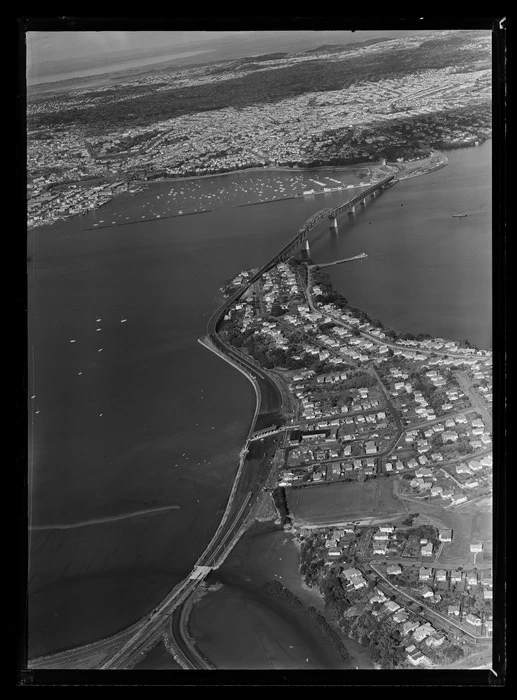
point(296, 242)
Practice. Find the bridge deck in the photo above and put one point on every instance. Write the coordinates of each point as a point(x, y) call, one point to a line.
point(289, 248)
point(199, 572)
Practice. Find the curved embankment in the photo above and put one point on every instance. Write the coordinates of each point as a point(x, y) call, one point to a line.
point(100, 521)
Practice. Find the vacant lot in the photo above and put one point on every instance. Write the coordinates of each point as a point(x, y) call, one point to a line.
point(467, 528)
point(326, 505)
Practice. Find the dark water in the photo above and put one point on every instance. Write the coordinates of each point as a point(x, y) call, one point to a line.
point(174, 416)
point(426, 272)
point(240, 625)
point(157, 659)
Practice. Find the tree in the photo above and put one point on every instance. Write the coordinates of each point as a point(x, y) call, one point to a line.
point(277, 310)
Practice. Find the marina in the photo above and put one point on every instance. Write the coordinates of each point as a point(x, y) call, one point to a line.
point(181, 198)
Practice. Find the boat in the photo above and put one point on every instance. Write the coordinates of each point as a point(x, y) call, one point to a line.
point(72, 341)
point(458, 216)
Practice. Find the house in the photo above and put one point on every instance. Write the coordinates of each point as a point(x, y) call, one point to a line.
point(489, 625)
point(441, 575)
point(486, 578)
point(472, 578)
point(423, 631)
point(416, 658)
point(394, 570)
point(453, 610)
point(473, 620)
point(456, 499)
point(488, 594)
point(471, 484)
point(435, 640)
point(455, 576)
point(386, 528)
point(427, 550)
point(381, 536)
point(476, 547)
point(408, 627)
point(400, 616)
point(351, 573)
point(424, 574)
point(427, 592)
point(378, 596)
point(334, 552)
point(379, 548)
point(370, 447)
point(392, 606)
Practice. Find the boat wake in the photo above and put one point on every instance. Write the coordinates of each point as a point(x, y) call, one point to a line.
point(100, 521)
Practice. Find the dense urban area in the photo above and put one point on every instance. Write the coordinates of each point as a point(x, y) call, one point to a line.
point(337, 105)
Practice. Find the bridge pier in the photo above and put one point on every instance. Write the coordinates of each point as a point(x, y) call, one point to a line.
point(374, 194)
point(306, 252)
point(333, 224)
point(351, 211)
point(363, 202)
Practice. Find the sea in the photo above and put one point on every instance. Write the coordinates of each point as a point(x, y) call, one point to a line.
point(134, 427)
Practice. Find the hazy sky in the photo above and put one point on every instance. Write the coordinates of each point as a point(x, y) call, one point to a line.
point(55, 53)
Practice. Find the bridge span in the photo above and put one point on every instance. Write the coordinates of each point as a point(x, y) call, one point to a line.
point(293, 245)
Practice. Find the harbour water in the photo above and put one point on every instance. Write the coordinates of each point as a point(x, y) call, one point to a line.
point(239, 625)
point(138, 416)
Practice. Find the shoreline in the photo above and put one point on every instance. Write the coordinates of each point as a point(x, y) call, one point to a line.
point(265, 169)
point(144, 184)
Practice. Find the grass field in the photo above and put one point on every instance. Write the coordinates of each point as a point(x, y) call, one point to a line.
point(337, 503)
point(466, 528)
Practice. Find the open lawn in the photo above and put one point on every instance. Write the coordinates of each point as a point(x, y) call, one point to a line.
point(344, 502)
point(467, 528)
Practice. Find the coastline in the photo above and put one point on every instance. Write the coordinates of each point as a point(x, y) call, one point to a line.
point(230, 362)
point(142, 185)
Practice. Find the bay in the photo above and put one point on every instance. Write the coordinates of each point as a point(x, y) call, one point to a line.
point(426, 271)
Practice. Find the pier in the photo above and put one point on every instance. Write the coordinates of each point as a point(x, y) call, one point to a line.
point(360, 256)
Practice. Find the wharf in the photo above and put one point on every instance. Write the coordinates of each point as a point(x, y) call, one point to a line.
point(344, 260)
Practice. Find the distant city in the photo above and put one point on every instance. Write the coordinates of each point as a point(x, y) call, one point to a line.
point(78, 158)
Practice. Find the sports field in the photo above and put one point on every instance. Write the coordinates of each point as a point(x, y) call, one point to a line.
point(339, 503)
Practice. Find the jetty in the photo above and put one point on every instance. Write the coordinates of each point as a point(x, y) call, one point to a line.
point(360, 256)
